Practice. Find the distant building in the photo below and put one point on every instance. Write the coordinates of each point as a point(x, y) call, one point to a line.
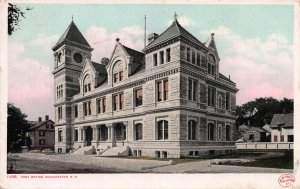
point(255, 134)
point(282, 126)
point(168, 101)
point(42, 134)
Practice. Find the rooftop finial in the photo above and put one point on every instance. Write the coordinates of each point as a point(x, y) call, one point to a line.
point(72, 17)
point(175, 16)
point(212, 34)
point(117, 39)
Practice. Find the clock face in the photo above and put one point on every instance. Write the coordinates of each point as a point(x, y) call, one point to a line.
point(78, 57)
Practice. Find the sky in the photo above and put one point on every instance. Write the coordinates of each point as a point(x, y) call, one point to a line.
point(254, 42)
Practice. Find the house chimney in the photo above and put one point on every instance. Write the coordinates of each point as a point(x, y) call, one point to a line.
point(104, 61)
point(46, 117)
point(152, 37)
point(40, 119)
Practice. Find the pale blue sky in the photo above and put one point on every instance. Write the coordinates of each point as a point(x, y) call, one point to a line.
point(244, 34)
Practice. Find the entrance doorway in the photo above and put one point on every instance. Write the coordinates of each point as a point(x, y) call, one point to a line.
point(120, 132)
point(88, 135)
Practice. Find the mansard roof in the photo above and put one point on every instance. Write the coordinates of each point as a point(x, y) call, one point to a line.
point(100, 68)
point(72, 34)
point(175, 30)
point(137, 56)
point(287, 120)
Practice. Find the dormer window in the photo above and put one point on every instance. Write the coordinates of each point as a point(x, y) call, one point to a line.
point(87, 84)
point(118, 72)
point(211, 67)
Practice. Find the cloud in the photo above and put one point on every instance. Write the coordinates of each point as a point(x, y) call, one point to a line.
point(103, 42)
point(184, 21)
point(30, 83)
point(260, 67)
point(45, 42)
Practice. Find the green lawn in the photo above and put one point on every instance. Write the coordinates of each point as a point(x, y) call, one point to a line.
point(284, 162)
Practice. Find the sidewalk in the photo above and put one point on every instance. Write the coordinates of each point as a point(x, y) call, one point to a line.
point(151, 166)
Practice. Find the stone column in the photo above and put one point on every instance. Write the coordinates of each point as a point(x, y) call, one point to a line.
point(125, 123)
point(96, 133)
point(108, 131)
point(79, 134)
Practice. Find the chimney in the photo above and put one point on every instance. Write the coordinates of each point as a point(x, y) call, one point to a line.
point(104, 61)
point(152, 37)
point(40, 119)
point(46, 117)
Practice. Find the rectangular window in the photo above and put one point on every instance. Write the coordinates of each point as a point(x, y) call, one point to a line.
point(166, 89)
point(155, 59)
point(290, 138)
point(162, 90)
point(42, 142)
point(75, 111)
point(168, 55)
point(120, 75)
point(193, 57)
point(41, 133)
point(227, 100)
point(138, 97)
point(121, 101)
point(161, 56)
point(103, 104)
point(157, 154)
point(59, 113)
point(87, 108)
point(198, 59)
point(211, 96)
point(60, 136)
point(164, 154)
point(213, 69)
point(190, 90)
point(89, 87)
point(115, 77)
point(209, 68)
point(116, 102)
point(281, 138)
point(98, 105)
point(188, 54)
point(275, 138)
point(59, 91)
point(76, 135)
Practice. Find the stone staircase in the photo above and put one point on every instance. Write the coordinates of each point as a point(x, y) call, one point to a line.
point(87, 150)
point(116, 151)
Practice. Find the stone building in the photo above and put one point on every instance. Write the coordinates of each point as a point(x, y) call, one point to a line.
point(170, 100)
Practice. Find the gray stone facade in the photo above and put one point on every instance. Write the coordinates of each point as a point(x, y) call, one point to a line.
point(186, 107)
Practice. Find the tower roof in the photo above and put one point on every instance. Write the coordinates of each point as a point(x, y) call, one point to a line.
point(175, 30)
point(72, 34)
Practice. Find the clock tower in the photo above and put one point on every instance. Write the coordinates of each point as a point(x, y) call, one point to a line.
point(69, 55)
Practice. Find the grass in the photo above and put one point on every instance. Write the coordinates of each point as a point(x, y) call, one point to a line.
point(283, 162)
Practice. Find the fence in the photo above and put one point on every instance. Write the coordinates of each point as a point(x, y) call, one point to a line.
point(265, 145)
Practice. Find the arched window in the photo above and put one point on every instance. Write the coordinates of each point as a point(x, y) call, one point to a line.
point(192, 130)
point(117, 72)
point(138, 131)
point(87, 83)
point(211, 66)
point(210, 131)
point(227, 133)
point(162, 130)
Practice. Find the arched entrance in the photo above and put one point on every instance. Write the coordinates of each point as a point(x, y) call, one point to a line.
point(88, 135)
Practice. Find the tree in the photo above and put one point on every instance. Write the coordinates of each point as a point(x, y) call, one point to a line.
point(17, 126)
point(266, 108)
point(14, 16)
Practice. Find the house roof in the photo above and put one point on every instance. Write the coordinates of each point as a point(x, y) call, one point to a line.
point(243, 127)
point(287, 120)
point(36, 124)
point(100, 68)
point(252, 129)
point(72, 34)
point(173, 31)
point(137, 56)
